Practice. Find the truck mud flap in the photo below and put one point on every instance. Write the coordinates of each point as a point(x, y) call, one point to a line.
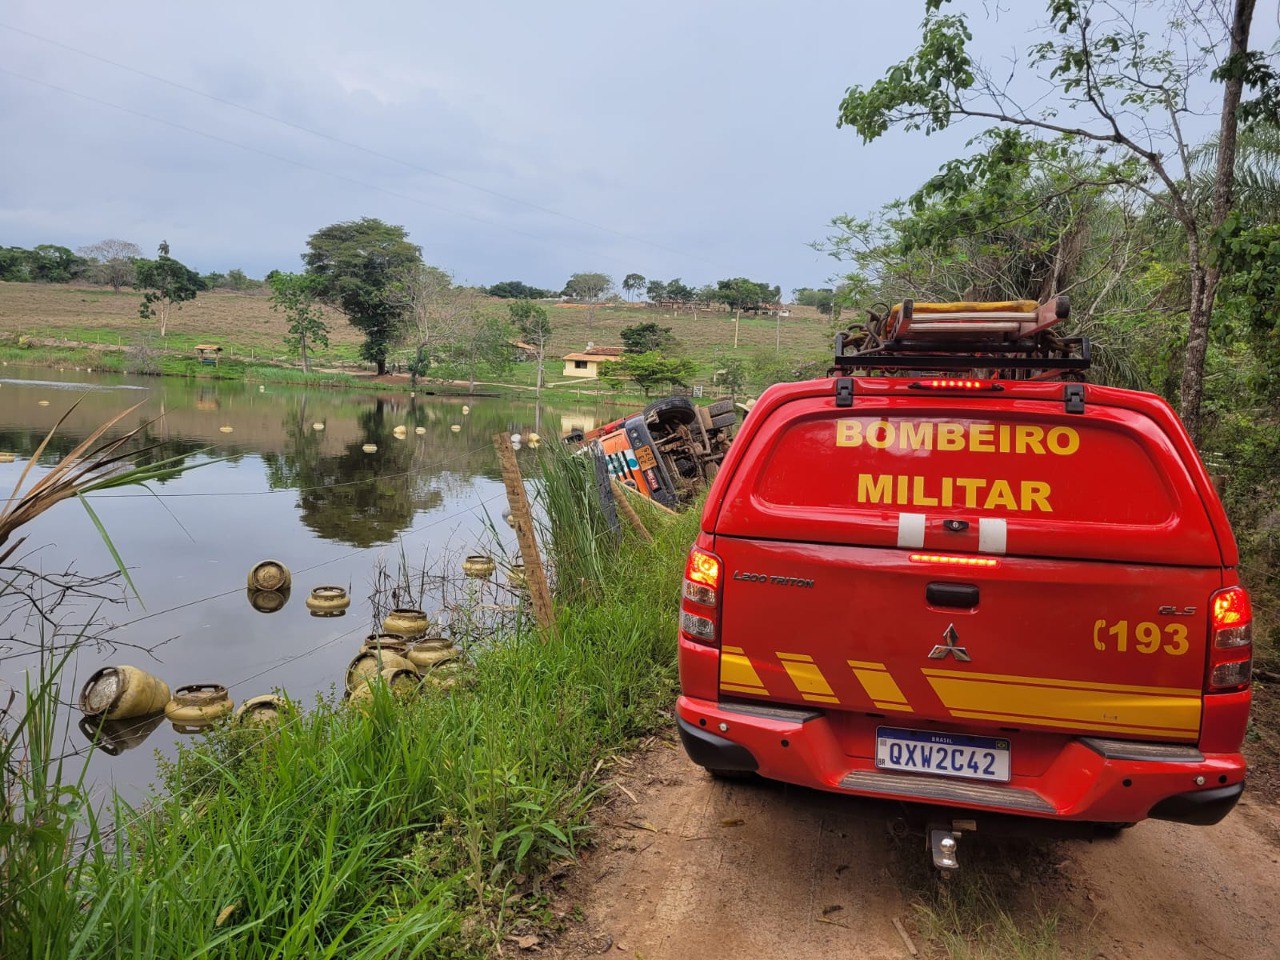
point(715, 753)
point(1202, 808)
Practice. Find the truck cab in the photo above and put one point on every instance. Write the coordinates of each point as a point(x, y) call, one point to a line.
point(954, 573)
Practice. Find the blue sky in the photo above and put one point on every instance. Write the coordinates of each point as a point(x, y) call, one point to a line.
point(513, 140)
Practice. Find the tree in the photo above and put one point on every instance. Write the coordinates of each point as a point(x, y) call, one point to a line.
point(166, 285)
point(679, 291)
point(656, 291)
point(112, 262)
point(649, 370)
point(50, 263)
point(732, 370)
point(437, 314)
point(633, 284)
point(535, 329)
point(1115, 92)
point(294, 295)
point(742, 294)
point(518, 290)
point(821, 298)
point(483, 345)
point(644, 337)
point(358, 265)
point(237, 279)
point(589, 287)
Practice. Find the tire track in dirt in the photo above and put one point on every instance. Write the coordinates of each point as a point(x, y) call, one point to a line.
point(701, 867)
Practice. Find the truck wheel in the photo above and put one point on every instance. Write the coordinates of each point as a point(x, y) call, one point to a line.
point(719, 407)
point(672, 411)
point(724, 420)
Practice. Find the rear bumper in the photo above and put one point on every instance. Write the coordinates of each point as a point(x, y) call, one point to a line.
point(1086, 782)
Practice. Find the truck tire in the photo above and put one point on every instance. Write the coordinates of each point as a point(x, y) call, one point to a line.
point(724, 420)
point(719, 407)
point(673, 411)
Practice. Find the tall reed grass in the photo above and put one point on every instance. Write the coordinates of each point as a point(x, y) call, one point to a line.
point(411, 829)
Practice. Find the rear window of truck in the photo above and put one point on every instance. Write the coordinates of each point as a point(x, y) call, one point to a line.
point(1105, 485)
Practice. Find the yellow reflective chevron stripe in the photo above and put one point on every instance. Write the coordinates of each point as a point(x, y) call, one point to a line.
point(1080, 704)
point(737, 674)
point(880, 685)
point(804, 673)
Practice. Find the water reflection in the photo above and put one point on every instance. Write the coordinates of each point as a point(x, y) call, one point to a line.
point(351, 496)
point(114, 737)
point(267, 601)
point(427, 448)
point(281, 488)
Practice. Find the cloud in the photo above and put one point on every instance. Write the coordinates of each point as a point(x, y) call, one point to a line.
point(677, 139)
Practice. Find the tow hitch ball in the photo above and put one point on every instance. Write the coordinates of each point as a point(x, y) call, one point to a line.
point(944, 841)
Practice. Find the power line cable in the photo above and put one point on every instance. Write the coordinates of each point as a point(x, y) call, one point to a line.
point(315, 566)
point(355, 146)
point(267, 733)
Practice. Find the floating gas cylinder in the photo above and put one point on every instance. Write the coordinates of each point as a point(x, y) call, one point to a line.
point(429, 653)
point(270, 575)
point(119, 693)
point(263, 709)
point(198, 703)
point(372, 662)
point(479, 566)
point(407, 622)
point(328, 601)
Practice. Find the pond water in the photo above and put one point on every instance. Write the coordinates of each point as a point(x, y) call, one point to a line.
point(289, 480)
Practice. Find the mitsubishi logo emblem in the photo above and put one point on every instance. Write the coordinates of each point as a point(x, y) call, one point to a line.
point(941, 650)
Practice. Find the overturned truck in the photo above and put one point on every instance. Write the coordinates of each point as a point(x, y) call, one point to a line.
point(669, 451)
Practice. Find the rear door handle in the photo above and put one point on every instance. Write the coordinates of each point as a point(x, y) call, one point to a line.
point(961, 595)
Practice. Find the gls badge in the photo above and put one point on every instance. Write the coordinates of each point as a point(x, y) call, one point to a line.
point(942, 650)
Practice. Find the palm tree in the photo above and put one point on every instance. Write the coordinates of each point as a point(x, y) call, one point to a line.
point(1257, 186)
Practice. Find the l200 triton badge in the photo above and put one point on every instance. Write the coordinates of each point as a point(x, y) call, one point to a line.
point(950, 648)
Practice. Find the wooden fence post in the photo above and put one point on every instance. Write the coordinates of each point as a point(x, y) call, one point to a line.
point(628, 511)
point(522, 520)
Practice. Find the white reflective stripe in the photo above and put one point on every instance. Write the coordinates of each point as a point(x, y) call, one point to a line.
point(911, 530)
point(993, 534)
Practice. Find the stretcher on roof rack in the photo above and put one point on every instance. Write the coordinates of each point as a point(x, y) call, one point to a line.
point(1013, 339)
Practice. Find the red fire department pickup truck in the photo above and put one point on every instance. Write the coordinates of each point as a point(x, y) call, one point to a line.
point(953, 574)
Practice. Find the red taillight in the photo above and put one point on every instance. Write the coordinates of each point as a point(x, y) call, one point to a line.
point(703, 568)
point(949, 383)
point(699, 612)
point(949, 559)
point(1231, 641)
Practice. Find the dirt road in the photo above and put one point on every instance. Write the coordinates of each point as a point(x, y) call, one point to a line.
point(694, 867)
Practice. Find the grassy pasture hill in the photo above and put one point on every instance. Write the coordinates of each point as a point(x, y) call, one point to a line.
point(73, 323)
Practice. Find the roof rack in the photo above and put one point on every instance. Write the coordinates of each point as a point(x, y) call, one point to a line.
point(1012, 340)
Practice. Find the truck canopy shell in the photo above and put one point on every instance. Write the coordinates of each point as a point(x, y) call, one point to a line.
point(1007, 471)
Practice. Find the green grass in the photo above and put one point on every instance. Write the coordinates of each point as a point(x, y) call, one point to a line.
point(1000, 905)
point(415, 829)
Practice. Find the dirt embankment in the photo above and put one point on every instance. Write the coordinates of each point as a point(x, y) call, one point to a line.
point(687, 866)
